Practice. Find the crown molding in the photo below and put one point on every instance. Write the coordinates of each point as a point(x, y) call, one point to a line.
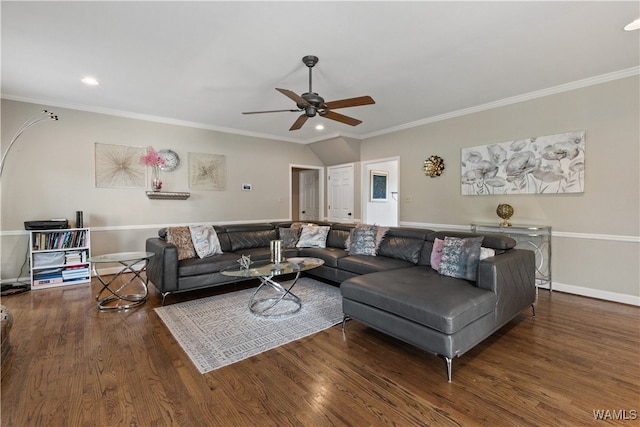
point(591, 81)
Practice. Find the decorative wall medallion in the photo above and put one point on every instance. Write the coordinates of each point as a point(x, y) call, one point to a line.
point(433, 166)
point(171, 160)
point(207, 171)
point(118, 166)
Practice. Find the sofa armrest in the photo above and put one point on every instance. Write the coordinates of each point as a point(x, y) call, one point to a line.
point(162, 269)
point(512, 277)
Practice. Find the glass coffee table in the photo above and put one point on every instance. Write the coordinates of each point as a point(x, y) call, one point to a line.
point(272, 299)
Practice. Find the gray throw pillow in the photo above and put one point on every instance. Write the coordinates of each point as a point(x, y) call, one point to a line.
point(289, 236)
point(460, 257)
point(363, 241)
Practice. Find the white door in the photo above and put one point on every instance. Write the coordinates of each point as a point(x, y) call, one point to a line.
point(309, 201)
point(381, 212)
point(340, 193)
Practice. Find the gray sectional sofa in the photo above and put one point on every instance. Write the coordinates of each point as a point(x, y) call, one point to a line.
point(396, 291)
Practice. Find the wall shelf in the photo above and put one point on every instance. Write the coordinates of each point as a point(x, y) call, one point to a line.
point(167, 195)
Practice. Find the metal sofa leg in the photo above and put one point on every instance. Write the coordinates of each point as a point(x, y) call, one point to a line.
point(533, 311)
point(344, 320)
point(164, 296)
point(448, 361)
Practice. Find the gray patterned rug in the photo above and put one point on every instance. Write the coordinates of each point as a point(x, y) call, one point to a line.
point(220, 330)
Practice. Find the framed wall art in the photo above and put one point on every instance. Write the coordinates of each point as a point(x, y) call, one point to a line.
point(207, 171)
point(552, 164)
point(378, 183)
point(119, 166)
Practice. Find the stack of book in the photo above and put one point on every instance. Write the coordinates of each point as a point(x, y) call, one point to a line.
point(75, 273)
point(75, 257)
point(47, 277)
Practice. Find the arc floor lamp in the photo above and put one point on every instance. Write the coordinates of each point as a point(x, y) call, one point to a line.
point(43, 116)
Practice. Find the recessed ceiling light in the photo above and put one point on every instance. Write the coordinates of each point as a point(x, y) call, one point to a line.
point(90, 81)
point(635, 25)
point(319, 127)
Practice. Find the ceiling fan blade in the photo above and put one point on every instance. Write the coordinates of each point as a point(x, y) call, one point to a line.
point(292, 95)
point(341, 118)
point(349, 102)
point(270, 111)
point(298, 123)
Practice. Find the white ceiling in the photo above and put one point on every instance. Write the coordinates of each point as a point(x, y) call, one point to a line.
point(203, 63)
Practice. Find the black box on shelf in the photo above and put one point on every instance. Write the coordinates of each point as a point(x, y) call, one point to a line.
point(46, 225)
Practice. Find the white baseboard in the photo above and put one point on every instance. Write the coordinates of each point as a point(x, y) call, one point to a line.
point(596, 293)
point(560, 287)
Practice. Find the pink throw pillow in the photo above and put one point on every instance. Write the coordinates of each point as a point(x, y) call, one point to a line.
point(436, 253)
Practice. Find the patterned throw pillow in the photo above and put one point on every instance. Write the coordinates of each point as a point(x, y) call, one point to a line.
point(380, 233)
point(363, 240)
point(205, 240)
point(313, 236)
point(181, 238)
point(289, 237)
point(436, 253)
point(460, 257)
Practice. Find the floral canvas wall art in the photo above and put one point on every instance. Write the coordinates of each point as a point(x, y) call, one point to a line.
point(552, 164)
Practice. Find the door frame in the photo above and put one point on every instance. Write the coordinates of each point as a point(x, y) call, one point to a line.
point(321, 190)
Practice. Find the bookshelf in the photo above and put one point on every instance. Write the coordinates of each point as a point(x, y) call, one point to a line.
point(59, 257)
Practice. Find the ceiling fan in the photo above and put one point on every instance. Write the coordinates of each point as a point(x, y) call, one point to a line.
point(310, 103)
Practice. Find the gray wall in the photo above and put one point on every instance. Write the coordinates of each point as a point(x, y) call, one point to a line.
point(50, 173)
point(595, 244)
point(596, 234)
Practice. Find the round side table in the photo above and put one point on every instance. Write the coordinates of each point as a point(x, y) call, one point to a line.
point(134, 290)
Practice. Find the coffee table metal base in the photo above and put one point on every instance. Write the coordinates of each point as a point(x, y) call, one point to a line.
point(284, 302)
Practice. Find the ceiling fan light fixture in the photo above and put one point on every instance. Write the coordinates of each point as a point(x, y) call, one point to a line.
point(319, 126)
point(635, 25)
point(312, 104)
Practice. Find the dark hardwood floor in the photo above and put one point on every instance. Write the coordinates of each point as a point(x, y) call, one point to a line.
point(71, 365)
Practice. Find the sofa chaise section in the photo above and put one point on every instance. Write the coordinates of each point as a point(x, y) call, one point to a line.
point(444, 315)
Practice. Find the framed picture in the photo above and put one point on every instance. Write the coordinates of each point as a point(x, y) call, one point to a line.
point(551, 164)
point(207, 171)
point(119, 166)
point(378, 184)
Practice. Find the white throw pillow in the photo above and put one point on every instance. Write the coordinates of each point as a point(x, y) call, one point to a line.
point(486, 253)
point(314, 236)
point(205, 240)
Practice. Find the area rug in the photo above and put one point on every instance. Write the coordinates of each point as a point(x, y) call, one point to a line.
point(220, 330)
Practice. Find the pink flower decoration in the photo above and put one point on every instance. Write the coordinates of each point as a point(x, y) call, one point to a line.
point(152, 158)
